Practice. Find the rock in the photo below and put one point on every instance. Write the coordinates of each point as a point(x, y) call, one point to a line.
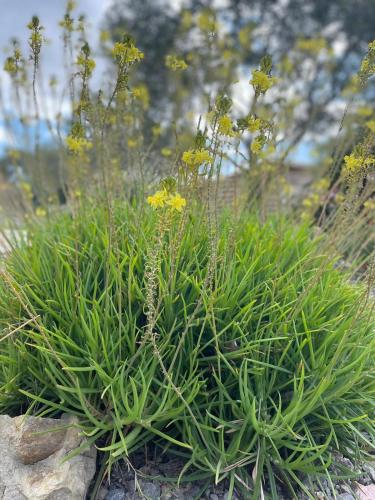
point(102, 493)
point(32, 452)
point(213, 496)
point(150, 490)
point(366, 492)
point(370, 471)
point(115, 494)
point(37, 438)
point(345, 496)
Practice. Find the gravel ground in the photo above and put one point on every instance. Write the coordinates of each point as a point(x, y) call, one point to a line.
point(126, 484)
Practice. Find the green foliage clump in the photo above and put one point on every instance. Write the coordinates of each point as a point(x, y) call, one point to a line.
point(259, 364)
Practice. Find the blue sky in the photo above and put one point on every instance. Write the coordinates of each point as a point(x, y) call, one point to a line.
point(16, 14)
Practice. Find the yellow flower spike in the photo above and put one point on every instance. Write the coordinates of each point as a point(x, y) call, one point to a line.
point(158, 200)
point(40, 212)
point(176, 202)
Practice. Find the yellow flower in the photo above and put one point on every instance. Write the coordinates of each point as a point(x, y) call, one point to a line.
point(340, 198)
point(158, 200)
point(186, 19)
point(311, 45)
point(261, 81)
point(371, 125)
point(225, 126)
point(14, 154)
point(286, 65)
point(321, 185)
point(10, 65)
point(78, 145)
point(176, 202)
point(254, 124)
point(196, 157)
point(104, 36)
point(369, 204)
point(256, 145)
point(352, 163)
point(40, 212)
point(364, 111)
point(311, 201)
point(244, 36)
point(206, 22)
point(126, 53)
point(166, 152)
point(142, 94)
point(174, 63)
point(156, 130)
point(132, 143)
point(86, 63)
point(27, 190)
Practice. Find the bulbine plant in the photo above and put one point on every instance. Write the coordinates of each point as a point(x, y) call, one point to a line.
point(262, 370)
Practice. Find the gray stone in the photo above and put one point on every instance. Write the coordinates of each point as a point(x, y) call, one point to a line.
point(345, 496)
point(370, 471)
point(32, 467)
point(115, 494)
point(150, 490)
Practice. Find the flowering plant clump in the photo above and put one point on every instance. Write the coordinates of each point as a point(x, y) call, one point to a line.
point(229, 334)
